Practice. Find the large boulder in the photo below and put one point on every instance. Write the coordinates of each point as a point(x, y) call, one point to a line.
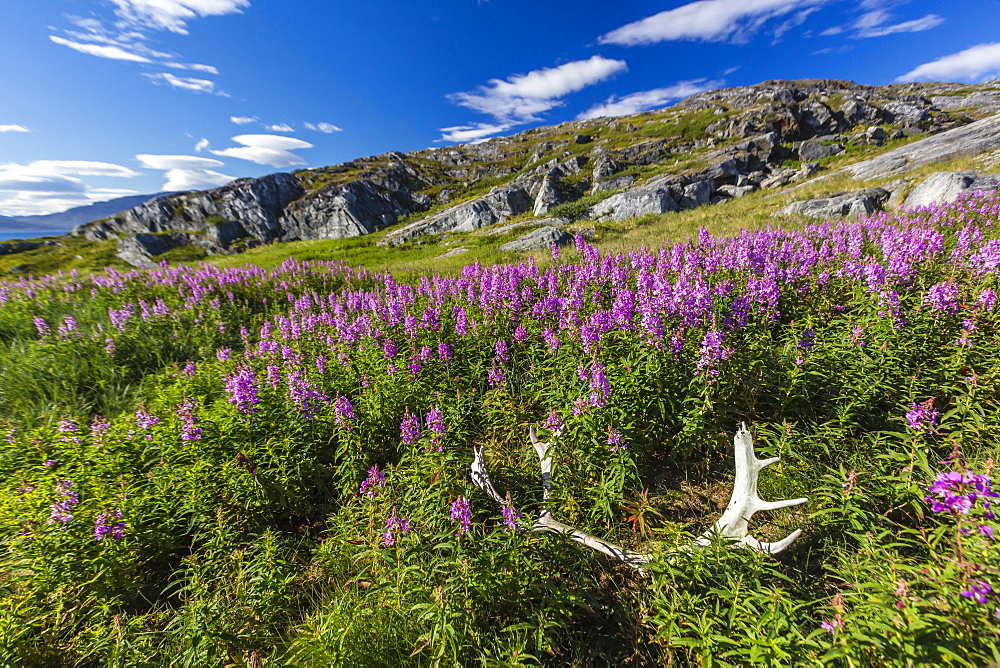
point(972, 139)
point(840, 205)
point(540, 239)
point(139, 250)
point(339, 211)
point(814, 150)
point(500, 204)
point(943, 187)
point(660, 196)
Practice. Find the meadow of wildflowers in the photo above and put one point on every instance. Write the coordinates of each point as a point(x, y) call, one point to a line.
point(227, 467)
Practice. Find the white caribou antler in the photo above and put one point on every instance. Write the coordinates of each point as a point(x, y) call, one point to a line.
point(733, 525)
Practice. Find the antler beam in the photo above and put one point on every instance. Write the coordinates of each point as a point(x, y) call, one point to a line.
point(733, 525)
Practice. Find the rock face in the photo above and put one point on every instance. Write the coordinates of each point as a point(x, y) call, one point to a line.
point(539, 239)
point(840, 205)
point(253, 206)
point(978, 137)
point(943, 187)
point(497, 206)
point(708, 148)
point(660, 196)
point(340, 211)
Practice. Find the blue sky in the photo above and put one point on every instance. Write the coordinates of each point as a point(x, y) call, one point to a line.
point(104, 98)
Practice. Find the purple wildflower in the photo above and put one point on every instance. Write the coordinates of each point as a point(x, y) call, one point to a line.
point(395, 523)
point(502, 351)
point(553, 422)
point(242, 389)
point(105, 526)
point(435, 422)
point(409, 428)
point(460, 513)
point(959, 493)
point(99, 427)
point(923, 416)
point(511, 516)
point(978, 590)
point(375, 479)
point(615, 440)
point(308, 399)
point(343, 411)
point(712, 352)
point(146, 420)
point(42, 328)
point(62, 503)
point(943, 297)
point(190, 431)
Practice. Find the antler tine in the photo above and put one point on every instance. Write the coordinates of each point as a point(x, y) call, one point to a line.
point(734, 523)
point(545, 521)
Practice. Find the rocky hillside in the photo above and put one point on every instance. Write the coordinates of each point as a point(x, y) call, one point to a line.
point(706, 149)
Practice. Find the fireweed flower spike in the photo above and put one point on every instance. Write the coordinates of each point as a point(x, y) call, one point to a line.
point(435, 423)
point(460, 513)
point(409, 428)
point(923, 416)
point(397, 524)
point(104, 526)
point(374, 481)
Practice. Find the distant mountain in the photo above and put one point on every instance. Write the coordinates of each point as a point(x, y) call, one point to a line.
point(70, 218)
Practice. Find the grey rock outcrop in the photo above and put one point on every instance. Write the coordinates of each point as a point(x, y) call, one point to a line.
point(548, 195)
point(814, 150)
point(254, 205)
point(501, 203)
point(539, 239)
point(341, 211)
point(943, 187)
point(840, 205)
point(660, 196)
point(978, 137)
point(139, 249)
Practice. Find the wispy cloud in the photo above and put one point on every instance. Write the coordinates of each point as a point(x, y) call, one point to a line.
point(706, 20)
point(173, 15)
point(243, 120)
point(974, 64)
point(280, 127)
point(201, 145)
point(327, 128)
point(273, 150)
point(522, 98)
point(834, 50)
point(13, 128)
point(185, 83)
point(877, 22)
point(125, 37)
point(26, 203)
point(113, 52)
point(649, 99)
point(470, 133)
point(186, 172)
point(46, 186)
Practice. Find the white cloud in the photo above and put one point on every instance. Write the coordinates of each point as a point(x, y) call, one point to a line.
point(36, 203)
point(471, 133)
point(649, 99)
point(201, 145)
point(186, 172)
point(194, 179)
point(184, 83)
point(328, 128)
point(173, 15)
point(46, 186)
point(706, 20)
point(108, 51)
point(974, 64)
point(165, 162)
point(280, 127)
point(195, 67)
point(916, 25)
point(522, 97)
point(243, 120)
point(834, 50)
point(13, 128)
point(273, 150)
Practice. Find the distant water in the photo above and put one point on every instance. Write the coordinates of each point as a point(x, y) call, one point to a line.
point(31, 234)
